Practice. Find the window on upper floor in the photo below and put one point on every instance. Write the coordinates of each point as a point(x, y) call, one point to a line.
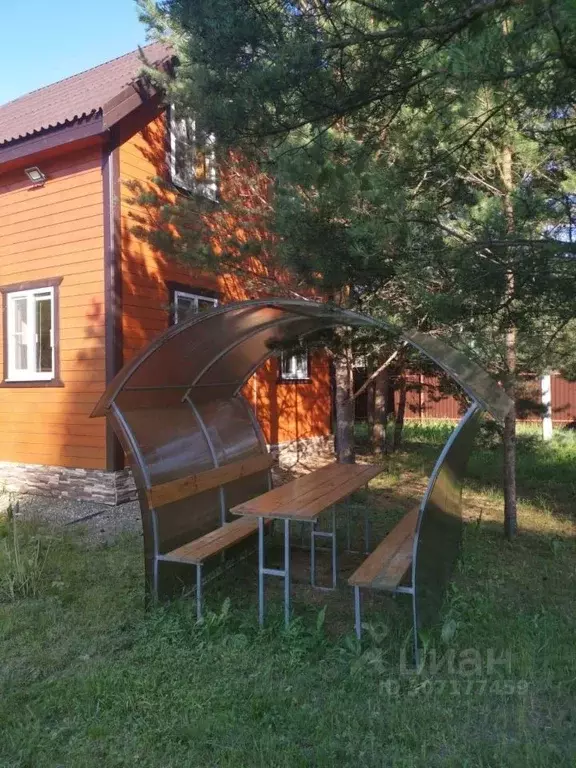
point(191, 303)
point(192, 157)
point(30, 328)
point(294, 367)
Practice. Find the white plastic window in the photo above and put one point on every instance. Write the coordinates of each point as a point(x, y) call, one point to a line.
point(191, 303)
point(30, 335)
point(192, 157)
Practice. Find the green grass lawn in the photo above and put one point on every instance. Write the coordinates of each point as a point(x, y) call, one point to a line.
point(88, 678)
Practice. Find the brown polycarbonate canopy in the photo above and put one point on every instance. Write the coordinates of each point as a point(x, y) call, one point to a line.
point(218, 351)
point(178, 410)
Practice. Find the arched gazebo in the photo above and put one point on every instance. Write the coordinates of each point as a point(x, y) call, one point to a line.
point(178, 411)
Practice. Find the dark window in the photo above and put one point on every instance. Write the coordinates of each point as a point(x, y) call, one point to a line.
point(294, 367)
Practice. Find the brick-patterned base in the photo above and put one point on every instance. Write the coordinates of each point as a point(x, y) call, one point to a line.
point(110, 488)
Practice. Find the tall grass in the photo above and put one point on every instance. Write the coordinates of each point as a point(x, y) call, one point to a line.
point(22, 558)
point(89, 679)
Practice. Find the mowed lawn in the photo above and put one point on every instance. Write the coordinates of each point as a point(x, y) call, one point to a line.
point(88, 678)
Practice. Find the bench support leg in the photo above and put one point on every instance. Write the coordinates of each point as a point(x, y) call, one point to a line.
point(357, 613)
point(199, 592)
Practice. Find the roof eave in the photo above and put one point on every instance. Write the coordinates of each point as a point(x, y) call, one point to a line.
point(116, 109)
point(58, 136)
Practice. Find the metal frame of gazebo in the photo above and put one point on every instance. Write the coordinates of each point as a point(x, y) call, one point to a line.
point(178, 410)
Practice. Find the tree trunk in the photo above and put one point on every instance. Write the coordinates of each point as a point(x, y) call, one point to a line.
point(344, 438)
point(509, 435)
point(400, 412)
point(380, 413)
point(370, 412)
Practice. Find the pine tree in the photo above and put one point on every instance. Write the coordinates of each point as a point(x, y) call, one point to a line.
point(422, 159)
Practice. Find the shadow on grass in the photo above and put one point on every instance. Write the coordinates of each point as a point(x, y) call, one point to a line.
point(546, 472)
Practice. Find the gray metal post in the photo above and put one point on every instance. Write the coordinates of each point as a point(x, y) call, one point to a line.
point(348, 536)
point(357, 617)
point(334, 563)
point(366, 531)
point(261, 571)
point(287, 572)
point(313, 555)
point(415, 629)
point(199, 592)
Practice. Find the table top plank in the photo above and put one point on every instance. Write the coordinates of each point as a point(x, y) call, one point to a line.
point(306, 497)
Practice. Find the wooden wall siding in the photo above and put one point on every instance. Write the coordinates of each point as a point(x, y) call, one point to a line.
point(57, 231)
point(287, 411)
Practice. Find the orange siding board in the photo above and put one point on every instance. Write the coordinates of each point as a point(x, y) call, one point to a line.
point(58, 231)
point(286, 411)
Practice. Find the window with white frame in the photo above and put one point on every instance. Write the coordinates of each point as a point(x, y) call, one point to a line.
point(191, 303)
point(294, 367)
point(30, 334)
point(192, 158)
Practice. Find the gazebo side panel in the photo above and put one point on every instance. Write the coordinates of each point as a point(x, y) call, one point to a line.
point(235, 435)
point(439, 532)
point(170, 439)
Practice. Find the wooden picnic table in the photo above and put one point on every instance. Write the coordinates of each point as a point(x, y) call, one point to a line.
point(303, 499)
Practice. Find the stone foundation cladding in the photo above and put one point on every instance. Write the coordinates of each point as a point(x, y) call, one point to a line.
point(113, 488)
point(302, 450)
point(110, 488)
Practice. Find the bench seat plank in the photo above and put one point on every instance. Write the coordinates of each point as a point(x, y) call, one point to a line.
point(196, 552)
point(387, 564)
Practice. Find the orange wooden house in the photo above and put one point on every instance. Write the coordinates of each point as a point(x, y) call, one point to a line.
point(81, 294)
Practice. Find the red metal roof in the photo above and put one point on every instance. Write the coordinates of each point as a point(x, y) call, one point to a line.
point(80, 96)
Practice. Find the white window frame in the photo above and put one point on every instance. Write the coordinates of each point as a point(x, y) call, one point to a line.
point(291, 368)
point(182, 128)
point(29, 373)
point(194, 298)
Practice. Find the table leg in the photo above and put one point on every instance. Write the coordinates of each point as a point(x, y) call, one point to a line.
point(261, 571)
point(348, 536)
point(334, 563)
point(313, 554)
point(199, 592)
point(357, 617)
point(286, 572)
point(282, 573)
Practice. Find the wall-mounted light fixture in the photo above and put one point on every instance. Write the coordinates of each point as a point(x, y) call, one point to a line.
point(35, 175)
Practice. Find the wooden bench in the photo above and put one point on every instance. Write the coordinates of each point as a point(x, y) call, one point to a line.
point(198, 551)
point(387, 565)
